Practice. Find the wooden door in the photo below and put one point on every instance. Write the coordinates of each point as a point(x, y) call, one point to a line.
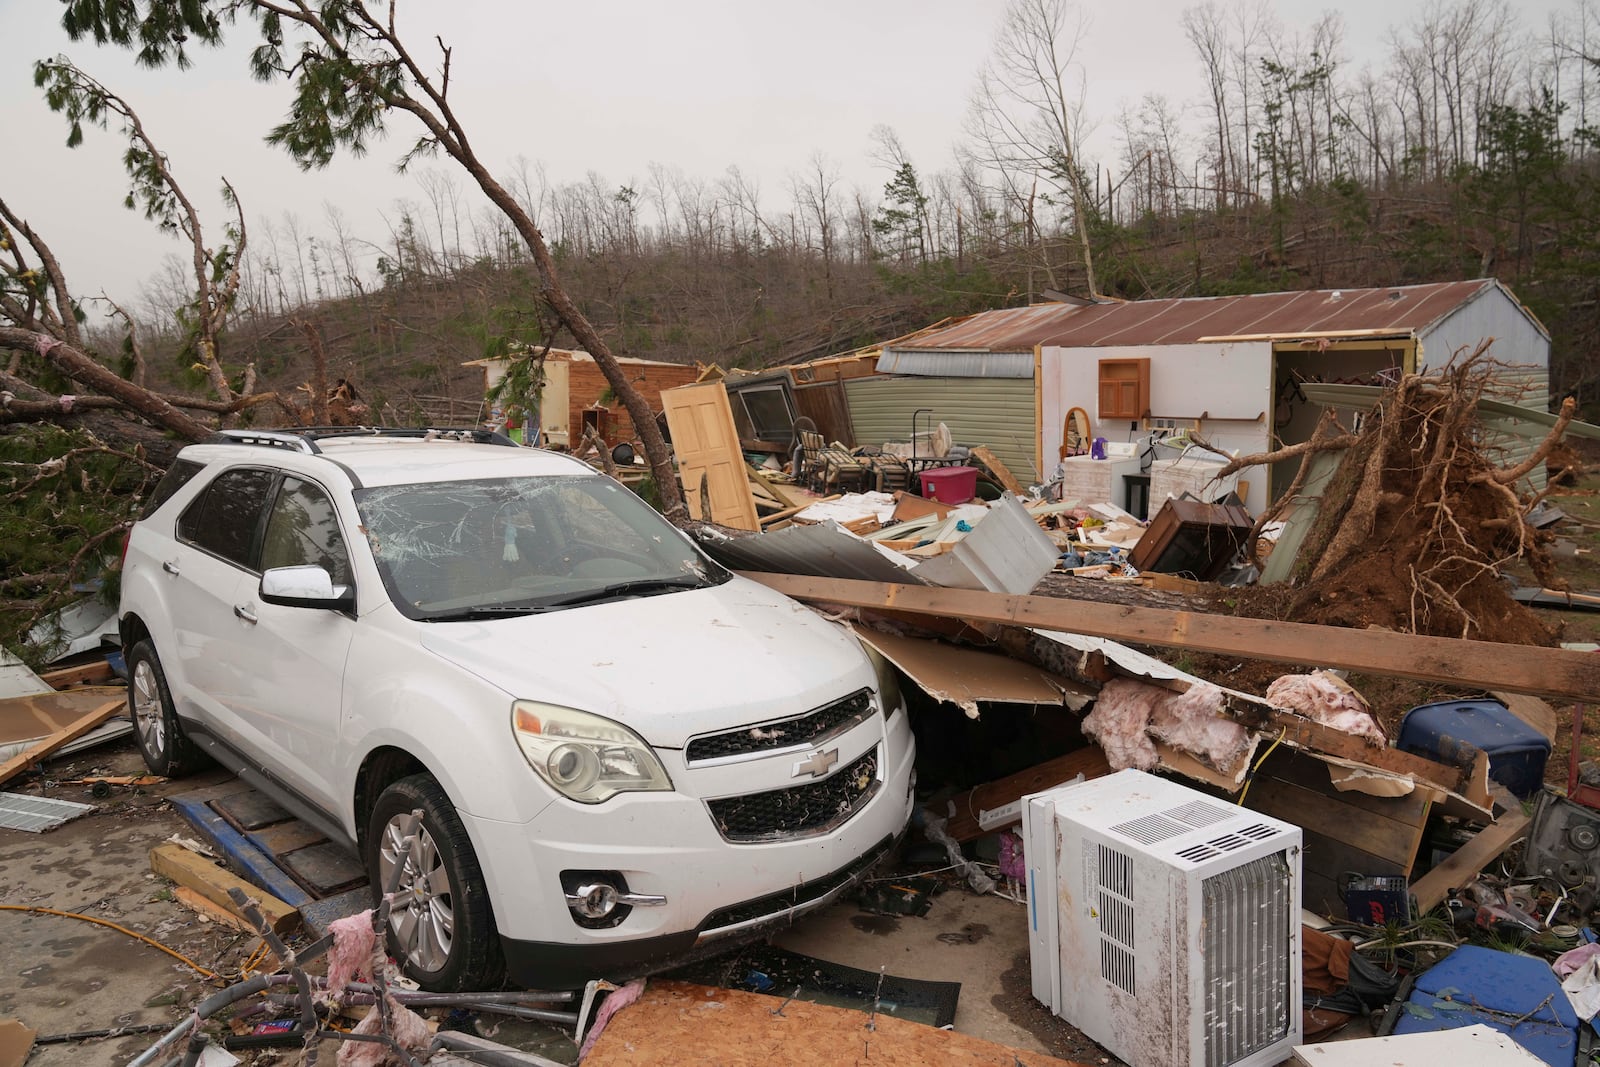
point(706, 442)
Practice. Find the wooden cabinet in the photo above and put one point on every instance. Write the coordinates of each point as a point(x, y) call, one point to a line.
point(1124, 389)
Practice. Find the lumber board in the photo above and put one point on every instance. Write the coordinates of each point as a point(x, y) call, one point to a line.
point(66, 735)
point(1089, 761)
point(1554, 672)
point(1458, 868)
point(1531, 710)
point(178, 864)
point(773, 489)
point(675, 1023)
point(83, 675)
point(991, 461)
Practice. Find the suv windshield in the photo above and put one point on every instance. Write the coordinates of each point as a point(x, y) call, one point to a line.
point(509, 546)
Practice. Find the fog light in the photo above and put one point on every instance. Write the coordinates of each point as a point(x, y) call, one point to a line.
point(594, 900)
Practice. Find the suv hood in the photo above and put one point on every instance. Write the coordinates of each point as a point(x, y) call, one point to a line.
point(669, 666)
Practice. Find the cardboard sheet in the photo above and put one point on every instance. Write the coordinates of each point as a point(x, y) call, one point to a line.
point(16, 1041)
point(965, 676)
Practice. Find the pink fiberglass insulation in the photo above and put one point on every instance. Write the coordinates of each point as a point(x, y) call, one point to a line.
point(409, 1030)
point(1194, 722)
point(1118, 722)
point(613, 1004)
point(1330, 701)
point(351, 955)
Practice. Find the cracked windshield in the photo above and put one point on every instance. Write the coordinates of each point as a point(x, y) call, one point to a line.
point(453, 551)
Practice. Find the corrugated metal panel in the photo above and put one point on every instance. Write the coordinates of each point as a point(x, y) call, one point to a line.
point(19, 811)
point(1401, 311)
point(997, 412)
point(957, 364)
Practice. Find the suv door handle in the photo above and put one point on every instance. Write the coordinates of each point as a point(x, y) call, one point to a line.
point(170, 566)
point(244, 613)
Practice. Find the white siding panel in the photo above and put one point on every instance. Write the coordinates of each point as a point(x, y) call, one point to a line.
point(997, 412)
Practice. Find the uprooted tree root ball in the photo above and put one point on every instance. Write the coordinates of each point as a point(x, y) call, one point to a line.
point(1413, 529)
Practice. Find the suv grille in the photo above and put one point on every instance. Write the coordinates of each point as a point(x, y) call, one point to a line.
point(805, 809)
point(807, 729)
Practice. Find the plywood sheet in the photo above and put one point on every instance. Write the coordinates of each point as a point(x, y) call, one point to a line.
point(707, 443)
point(40, 715)
point(676, 1023)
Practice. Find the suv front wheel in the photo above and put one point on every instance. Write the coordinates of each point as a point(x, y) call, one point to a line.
point(440, 925)
point(162, 743)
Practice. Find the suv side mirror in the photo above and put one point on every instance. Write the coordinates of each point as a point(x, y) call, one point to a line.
point(305, 587)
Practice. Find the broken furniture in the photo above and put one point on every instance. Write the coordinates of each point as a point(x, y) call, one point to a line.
point(1192, 537)
point(1519, 996)
point(822, 466)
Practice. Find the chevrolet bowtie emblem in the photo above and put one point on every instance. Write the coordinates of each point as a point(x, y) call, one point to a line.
point(817, 764)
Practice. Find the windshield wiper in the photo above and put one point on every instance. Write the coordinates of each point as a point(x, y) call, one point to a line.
point(636, 587)
point(477, 614)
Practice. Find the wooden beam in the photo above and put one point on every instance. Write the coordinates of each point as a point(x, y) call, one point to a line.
point(178, 864)
point(999, 470)
point(1089, 761)
point(66, 735)
point(1553, 672)
point(1460, 866)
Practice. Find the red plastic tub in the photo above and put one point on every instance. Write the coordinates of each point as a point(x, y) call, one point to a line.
point(950, 485)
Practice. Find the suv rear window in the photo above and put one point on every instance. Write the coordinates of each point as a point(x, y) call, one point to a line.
point(176, 478)
point(224, 518)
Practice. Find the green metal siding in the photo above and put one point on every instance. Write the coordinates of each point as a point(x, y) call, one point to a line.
point(997, 412)
point(1527, 386)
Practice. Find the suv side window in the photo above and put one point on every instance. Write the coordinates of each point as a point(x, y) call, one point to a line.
point(303, 528)
point(224, 518)
point(176, 478)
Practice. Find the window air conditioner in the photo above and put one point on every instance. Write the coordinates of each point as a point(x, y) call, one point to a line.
point(1165, 924)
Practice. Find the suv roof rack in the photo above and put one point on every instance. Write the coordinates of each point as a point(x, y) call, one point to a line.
point(285, 439)
point(305, 438)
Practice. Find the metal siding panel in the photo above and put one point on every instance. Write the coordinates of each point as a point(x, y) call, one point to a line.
point(998, 412)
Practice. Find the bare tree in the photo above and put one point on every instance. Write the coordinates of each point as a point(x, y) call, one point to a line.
point(1026, 115)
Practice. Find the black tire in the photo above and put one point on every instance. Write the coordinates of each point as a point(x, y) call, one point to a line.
point(472, 959)
point(166, 749)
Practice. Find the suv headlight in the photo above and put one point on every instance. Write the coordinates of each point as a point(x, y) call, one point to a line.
point(888, 680)
point(585, 757)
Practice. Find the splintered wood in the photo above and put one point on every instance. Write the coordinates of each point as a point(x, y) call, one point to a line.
point(675, 1023)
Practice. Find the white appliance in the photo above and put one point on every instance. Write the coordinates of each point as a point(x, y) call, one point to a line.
point(1097, 481)
point(1165, 924)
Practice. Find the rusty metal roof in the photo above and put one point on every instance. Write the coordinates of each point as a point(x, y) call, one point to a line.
point(1399, 310)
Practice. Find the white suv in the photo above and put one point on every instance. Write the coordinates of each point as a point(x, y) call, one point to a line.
point(625, 755)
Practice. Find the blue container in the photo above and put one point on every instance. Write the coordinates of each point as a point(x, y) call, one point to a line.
point(1445, 731)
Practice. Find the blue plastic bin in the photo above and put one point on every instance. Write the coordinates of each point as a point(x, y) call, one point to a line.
point(1442, 731)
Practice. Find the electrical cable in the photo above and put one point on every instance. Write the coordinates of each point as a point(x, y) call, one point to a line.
point(204, 971)
point(1251, 776)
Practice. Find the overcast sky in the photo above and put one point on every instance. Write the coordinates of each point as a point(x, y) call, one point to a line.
point(610, 86)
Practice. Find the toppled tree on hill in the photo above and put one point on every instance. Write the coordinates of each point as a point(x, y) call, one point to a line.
point(1415, 526)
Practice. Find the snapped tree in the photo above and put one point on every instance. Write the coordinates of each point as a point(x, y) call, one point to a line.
point(350, 69)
